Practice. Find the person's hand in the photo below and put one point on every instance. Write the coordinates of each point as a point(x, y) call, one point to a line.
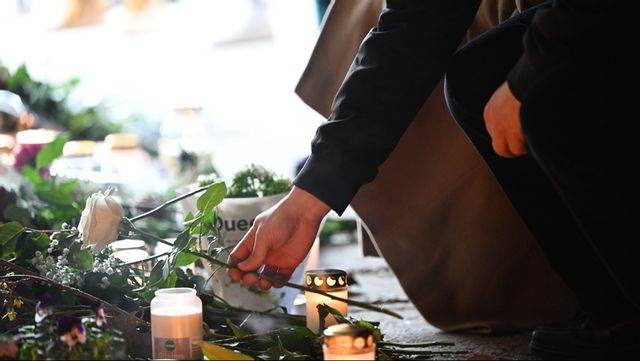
point(279, 239)
point(502, 119)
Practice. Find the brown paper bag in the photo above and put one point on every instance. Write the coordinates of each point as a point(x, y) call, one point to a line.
point(435, 212)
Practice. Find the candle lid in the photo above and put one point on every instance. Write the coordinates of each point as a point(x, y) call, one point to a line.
point(326, 279)
point(347, 336)
point(127, 244)
point(78, 148)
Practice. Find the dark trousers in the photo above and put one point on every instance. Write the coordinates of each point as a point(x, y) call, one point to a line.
point(575, 190)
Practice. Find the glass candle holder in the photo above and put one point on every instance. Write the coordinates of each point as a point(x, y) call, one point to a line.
point(176, 324)
point(348, 342)
point(332, 281)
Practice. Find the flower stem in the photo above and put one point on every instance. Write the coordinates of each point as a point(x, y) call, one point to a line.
point(276, 281)
point(417, 345)
point(48, 231)
point(170, 202)
point(143, 260)
point(247, 337)
point(299, 287)
point(421, 352)
point(152, 236)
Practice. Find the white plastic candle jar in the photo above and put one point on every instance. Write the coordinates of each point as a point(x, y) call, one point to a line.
point(176, 324)
point(348, 342)
point(333, 282)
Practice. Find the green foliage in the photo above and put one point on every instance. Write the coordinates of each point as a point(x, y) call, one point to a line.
point(325, 310)
point(50, 152)
point(40, 341)
point(185, 259)
point(208, 201)
point(237, 330)
point(282, 336)
point(51, 103)
point(45, 202)
point(256, 181)
point(333, 226)
point(9, 235)
point(80, 258)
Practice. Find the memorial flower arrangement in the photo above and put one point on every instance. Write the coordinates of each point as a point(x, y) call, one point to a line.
point(64, 295)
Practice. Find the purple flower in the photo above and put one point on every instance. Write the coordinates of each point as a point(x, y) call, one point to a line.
point(71, 330)
point(98, 309)
point(25, 155)
point(44, 307)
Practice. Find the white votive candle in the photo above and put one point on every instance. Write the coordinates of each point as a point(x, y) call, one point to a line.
point(331, 281)
point(176, 324)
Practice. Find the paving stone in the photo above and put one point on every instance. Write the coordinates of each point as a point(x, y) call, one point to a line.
point(377, 283)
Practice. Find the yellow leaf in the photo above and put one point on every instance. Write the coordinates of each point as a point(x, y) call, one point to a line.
point(215, 352)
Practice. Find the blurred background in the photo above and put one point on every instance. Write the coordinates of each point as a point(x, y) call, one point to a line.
point(218, 76)
point(154, 93)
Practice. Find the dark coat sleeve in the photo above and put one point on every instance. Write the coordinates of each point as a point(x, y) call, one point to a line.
point(396, 68)
point(560, 30)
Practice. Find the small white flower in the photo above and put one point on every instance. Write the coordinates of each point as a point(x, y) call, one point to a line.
point(54, 242)
point(100, 220)
point(65, 251)
point(109, 271)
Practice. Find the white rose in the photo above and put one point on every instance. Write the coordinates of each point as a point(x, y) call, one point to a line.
point(100, 221)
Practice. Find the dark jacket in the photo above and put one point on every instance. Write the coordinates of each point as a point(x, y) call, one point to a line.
point(399, 64)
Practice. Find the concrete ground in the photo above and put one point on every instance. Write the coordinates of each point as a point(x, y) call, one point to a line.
point(377, 283)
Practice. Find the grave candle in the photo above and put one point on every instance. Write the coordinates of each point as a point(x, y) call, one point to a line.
point(176, 324)
point(132, 250)
point(332, 281)
point(348, 342)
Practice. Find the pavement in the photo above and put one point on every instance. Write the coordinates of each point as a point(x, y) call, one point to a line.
point(377, 283)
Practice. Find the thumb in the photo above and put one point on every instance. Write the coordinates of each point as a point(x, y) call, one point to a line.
point(257, 256)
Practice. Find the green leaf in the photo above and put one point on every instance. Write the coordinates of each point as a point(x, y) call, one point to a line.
point(377, 334)
point(18, 214)
point(183, 240)
point(149, 295)
point(165, 270)
point(10, 231)
point(55, 198)
point(79, 258)
point(157, 272)
point(34, 241)
point(237, 330)
point(208, 201)
point(171, 280)
point(288, 355)
point(297, 339)
point(194, 221)
point(324, 310)
point(185, 259)
point(31, 174)
point(51, 151)
point(67, 186)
